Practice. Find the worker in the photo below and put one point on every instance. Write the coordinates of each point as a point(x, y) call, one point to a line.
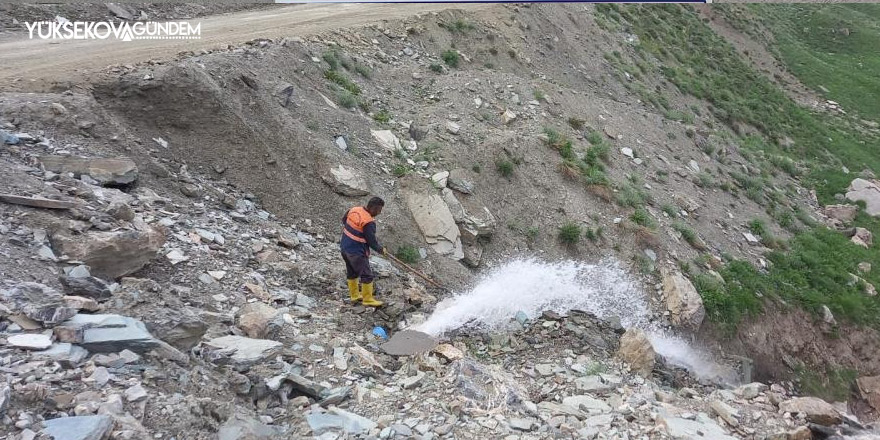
point(358, 237)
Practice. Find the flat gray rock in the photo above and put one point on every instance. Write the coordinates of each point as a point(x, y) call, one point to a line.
point(241, 350)
point(240, 426)
point(79, 428)
point(30, 341)
point(337, 419)
point(699, 429)
point(408, 343)
point(121, 171)
point(62, 352)
point(108, 333)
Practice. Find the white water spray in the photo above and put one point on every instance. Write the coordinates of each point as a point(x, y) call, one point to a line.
point(532, 286)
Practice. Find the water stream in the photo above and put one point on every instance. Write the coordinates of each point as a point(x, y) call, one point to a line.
point(533, 286)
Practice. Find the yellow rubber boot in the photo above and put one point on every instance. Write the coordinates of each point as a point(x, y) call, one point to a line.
point(367, 291)
point(353, 291)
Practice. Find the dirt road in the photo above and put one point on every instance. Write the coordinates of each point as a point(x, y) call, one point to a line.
point(35, 65)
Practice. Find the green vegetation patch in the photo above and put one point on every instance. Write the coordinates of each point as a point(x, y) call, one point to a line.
point(570, 233)
point(704, 65)
point(408, 254)
point(814, 272)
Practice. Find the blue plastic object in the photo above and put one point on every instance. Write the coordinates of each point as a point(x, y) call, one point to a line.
point(380, 332)
point(9, 138)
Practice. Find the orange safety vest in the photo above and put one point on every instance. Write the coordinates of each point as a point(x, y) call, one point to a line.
point(355, 221)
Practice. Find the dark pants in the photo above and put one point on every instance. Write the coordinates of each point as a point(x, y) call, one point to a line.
point(357, 266)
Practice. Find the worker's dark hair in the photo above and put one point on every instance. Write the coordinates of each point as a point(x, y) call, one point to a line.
point(375, 201)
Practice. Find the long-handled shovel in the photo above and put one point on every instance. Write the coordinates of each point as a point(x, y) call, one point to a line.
point(417, 273)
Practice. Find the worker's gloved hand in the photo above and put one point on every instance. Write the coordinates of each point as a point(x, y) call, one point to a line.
point(384, 251)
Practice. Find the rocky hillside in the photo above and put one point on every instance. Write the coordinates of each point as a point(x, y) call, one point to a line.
point(170, 266)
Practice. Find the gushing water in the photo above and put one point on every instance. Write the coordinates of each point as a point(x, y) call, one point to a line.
point(533, 286)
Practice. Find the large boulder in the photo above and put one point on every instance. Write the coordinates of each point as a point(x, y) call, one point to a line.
point(455, 206)
point(814, 409)
point(107, 333)
point(111, 254)
point(682, 300)
point(843, 213)
point(239, 350)
point(346, 182)
point(38, 302)
point(459, 181)
point(79, 428)
point(181, 327)
point(867, 191)
point(437, 224)
point(862, 237)
point(108, 172)
point(260, 320)
point(869, 390)
point(339, 420)
point(386, 139)
point(637, 351)
point(88, 286)
point(475, 226)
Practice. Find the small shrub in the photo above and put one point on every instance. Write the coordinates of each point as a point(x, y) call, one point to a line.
point(601, 191)
point(785, 164)
point(570, 233)
point(532, 233)
point(670, 210)
point(598, 151)
point(689, 236)
point(575, 123)
point(346, 99)
point(704, 180)
point(594, 234)
point(539, 95)
point(493, 51)
point(595, 137)
point(451, 58)
point(631, 196)
point(400, 170)
point(644, 264)
point(641, 217)
point(595, 176)
point(408, 254)
point(382, 116)
point(785, 219)
point(363, 70)
point(476, 168)
point(561, 143)
point(343, 81)
point(758, 227)
point(436, 68)
point(570, 170)
point(458, 26)
point(331, 57)
point(504, 167)
point(511, 53)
